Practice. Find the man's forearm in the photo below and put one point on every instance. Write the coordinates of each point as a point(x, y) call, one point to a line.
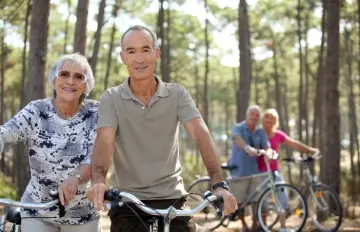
point(238, 140)
point(101, 161)
point(210, 156)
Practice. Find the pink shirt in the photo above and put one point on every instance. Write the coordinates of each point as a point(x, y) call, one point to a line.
point(275, 141)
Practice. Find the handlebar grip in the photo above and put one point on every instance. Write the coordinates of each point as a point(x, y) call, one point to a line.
point(289, 159)
point(112, 195)
point(219, 206)
point(54, 194)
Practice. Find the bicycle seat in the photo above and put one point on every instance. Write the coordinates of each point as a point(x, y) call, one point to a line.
point(13, 215)
point(289, 160)
point(225, 166)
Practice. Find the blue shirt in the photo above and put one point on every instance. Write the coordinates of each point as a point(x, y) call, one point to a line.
point(247, 165)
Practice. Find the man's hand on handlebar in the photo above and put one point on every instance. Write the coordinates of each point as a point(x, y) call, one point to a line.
point(95, 194)
point(230, 203)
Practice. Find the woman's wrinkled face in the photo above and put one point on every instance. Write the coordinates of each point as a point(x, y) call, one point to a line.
point(269, 121)
point(70, 82)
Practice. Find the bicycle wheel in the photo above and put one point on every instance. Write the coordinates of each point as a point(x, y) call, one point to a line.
point(325, 208)
point(288, 209)
point(207, 219)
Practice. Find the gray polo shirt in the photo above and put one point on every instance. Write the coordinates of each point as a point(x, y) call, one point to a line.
point(146, 158)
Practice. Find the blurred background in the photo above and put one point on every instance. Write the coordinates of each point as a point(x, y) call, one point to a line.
point(300, 57)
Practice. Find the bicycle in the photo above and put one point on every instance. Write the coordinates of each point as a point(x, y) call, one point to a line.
point(269, 203)
point(120, 198)
point(13, 213)
point(327, 217)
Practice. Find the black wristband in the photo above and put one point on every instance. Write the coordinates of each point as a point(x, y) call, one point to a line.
point(221, 184)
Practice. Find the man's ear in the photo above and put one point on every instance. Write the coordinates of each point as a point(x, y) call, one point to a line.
point(122, 56)
point(157, 54)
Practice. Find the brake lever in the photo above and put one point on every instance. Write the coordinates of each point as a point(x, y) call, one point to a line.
point(218, 204)
point(54, 194)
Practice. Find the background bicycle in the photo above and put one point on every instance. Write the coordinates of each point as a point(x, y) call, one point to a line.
point(270, 202)
point(323, 202)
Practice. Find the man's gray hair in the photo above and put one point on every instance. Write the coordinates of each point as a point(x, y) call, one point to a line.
point(78, 60)
point(253, 107)
point(140, 28)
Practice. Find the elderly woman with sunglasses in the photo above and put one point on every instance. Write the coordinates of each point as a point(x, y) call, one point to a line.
point(59, 134)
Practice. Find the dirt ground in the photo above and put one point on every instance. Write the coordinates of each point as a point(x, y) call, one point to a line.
point(347, 225)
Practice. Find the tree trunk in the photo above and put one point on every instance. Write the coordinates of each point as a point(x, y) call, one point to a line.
point(100, 24)
point(168, 45)
point(268, 94)
point(36, 73)
point(300, 94)
point(206, 94)
point(197, 97)
point(331, 101)
point(161, 36)
point(319, 86)
point(66, 33)
point(112, 38)
point(256, 86)
point(243, 97)
point(2, 89)
point(351, 110)
point(2, 76)
point(81, 25)
point(306, 90)
point(277, 86)
point(25, 41)
point(358, 1)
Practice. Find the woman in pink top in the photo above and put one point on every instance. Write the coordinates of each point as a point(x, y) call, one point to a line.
point(270, 124)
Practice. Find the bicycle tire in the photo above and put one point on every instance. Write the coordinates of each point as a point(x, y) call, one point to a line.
point(262, 201)
point(337, 202)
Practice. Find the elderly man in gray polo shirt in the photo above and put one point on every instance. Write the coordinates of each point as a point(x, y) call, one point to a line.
point(140, 119)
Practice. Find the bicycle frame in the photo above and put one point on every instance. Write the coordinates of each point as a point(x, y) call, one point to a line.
point(267, 182)
point(169, 213)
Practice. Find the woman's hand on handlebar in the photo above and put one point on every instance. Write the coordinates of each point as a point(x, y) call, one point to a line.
point(67, 190)
point(95, 194)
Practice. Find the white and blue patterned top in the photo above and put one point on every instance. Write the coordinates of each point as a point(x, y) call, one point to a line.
point(56, 148)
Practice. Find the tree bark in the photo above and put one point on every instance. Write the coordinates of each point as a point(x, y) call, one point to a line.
point(36, 73)
point(317, 128)
point(112, 38)
point(332, 115)
point(351, 110)
point(2, 75)
point(206, 75)
point(100, 24)
point(25, 41)
point(80, 27)
point(168, 46)
point(66, 33)
point(300, 94)
point(243, 97)
point(306, 90)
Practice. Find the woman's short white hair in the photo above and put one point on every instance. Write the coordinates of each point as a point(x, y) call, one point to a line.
point(78, 60)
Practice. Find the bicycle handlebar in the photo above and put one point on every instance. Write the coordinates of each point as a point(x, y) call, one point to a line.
point(270, 154)
point(45, 205)
point(114, 195)
point(311, 158)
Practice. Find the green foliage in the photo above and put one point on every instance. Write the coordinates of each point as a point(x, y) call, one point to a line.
point(7, 189)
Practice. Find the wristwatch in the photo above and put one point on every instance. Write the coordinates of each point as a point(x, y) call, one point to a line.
point(221, 184)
